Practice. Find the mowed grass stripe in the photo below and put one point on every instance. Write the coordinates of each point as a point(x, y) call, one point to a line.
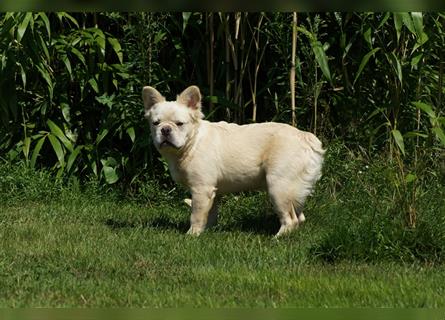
point(111, 254)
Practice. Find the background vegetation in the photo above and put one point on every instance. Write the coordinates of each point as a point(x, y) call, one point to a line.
point(71, 84)
point(370, 85)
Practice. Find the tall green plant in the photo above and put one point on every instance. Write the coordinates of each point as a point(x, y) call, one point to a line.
point(70, 83)
point(66, 71)
point(399, 54)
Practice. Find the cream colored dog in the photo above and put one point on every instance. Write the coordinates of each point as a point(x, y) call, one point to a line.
point(211, 159)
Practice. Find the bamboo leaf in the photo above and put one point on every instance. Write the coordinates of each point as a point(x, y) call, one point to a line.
point(417, 19)
point(380, 126)
point(99, 38)
point(109, 162)
point(36, 151)
point(398, 138)
point(73, 157)
point(47, 77)
point(398, 23)
point(7, 24)
point(385, 18)
point(23, 26)
point(185, 20)
point(43, 47)
point(65, 108)
point(159, 36)
point(439, 134)
point(425, 108)
point(367, 36)
point(408, 22)
point(397, 67)
point(375, 112)
point(68, 17)
point(67, 63)
point(421, 36)
point(79, 55)
point(26, 145)
point(23, 74)
point(416, 59)
point(322, 59)
point(56, 131)
point(117, 48)
point(131, 133)
point(420, 41)
point(412, 134)
point(93, 84)
point(57, 147)
point(410, 177)
point(101, 135)
point(306, 33)
point(364, 62)
point(93, 164)
point(110, 174)
point(45, 20)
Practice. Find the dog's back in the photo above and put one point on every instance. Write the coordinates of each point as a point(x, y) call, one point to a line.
point(246, 154)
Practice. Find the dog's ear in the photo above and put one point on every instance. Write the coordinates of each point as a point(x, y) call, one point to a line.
point(151, 96)
point(191, 97)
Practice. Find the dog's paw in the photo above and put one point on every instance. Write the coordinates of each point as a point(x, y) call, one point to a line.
point(301, 217)
point(286, 229)
point(188, 202)
point(195, 231)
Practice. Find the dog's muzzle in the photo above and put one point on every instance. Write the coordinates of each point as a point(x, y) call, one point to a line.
point(165, 131)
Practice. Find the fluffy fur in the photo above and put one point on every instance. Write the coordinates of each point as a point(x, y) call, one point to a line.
point(212, 159)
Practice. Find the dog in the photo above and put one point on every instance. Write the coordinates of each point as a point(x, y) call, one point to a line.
point(215, 158)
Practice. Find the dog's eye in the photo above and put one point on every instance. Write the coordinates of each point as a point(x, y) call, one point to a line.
point(155, 123)
point(179, 124)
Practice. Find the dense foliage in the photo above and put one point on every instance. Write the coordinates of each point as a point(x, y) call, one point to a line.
point(70, 85)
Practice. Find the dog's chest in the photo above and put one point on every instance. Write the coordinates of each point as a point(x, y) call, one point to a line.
point(178, 175)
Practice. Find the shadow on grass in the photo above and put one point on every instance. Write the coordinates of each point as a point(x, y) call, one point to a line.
point(250, 213)
point(156, 223)
point(262, 224)
point(257, 224)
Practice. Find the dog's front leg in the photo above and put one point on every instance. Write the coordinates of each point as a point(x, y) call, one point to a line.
point(202, 202)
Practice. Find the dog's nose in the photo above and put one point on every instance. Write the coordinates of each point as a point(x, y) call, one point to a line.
point(166, 131)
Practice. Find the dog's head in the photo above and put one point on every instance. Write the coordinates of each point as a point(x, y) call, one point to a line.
point(172, 123)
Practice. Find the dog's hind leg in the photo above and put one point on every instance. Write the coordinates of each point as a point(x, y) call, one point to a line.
point(281, 198)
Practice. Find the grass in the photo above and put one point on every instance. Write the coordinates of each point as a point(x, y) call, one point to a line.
point(72, 245)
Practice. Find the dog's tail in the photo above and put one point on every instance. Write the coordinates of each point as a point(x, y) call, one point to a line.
point(313, 142)
point(313, 170)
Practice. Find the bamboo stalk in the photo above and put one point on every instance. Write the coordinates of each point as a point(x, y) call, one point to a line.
point(235, 46)
point(211, 45)
point(243, 67)
point(150, 46)
point(441, 65)
point(257, 66)
point(225, 18)
point(244, 53)
point(237, 23)
point(292, 69)
point(227, 54)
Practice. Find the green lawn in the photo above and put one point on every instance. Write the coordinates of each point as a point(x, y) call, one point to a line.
point(82, 250)
point(82, 244)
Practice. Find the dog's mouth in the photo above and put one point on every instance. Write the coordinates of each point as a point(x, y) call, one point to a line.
point(167, 143)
